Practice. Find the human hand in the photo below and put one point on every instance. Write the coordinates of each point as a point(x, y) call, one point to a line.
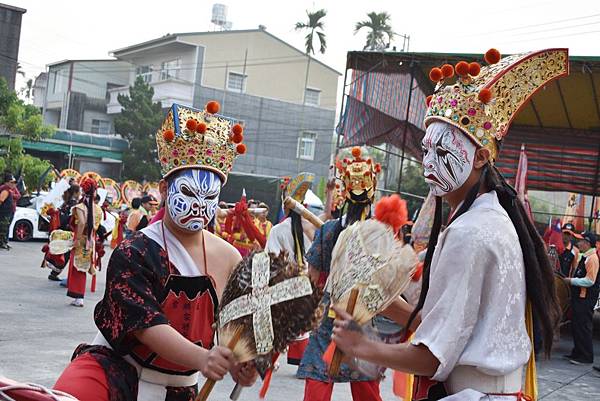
point(217, 362)
point(331, 184)
point(567, 280)
point(244, 374)
point(348, 335)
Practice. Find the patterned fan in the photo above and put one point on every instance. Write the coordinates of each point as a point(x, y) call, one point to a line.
point(129, 190)
point(113, 190)
point(267, 302)
point(369, 266)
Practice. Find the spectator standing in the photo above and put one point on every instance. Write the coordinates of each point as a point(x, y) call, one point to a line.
point(584, 295)
point(8, 206)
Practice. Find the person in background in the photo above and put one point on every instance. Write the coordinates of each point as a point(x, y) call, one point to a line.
point(569, 258)
point(149, 205)
point(585, 288)
point(137, 218)
point(85, 220)
point(8, 206)
point(262, 220)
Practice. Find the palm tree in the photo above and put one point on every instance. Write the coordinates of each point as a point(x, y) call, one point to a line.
point(27, 90)
point(315, 25)
point(379, 24)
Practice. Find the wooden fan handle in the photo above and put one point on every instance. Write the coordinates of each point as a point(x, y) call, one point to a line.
point(209, 383)
point(336, 361)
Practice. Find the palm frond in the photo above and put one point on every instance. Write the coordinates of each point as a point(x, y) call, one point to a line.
point(323, 42)
point(309, 43)
point(300, 25)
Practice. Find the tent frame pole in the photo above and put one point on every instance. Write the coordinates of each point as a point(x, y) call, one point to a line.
point(412, 80)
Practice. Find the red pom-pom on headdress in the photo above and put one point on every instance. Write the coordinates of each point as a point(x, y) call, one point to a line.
point(213, 107)
point(201, 128)
point(474, 69)
point(88, 185)
point(462, 68)
point(436, 74)
point(428, 100)
point(191, 124)
point(485, 96)
point(492, 56)
point(392, 211)
point(241, 148)
point(237, 129)
point(447, 71)
point(168, 135)
point(356, 152)
point(237, 137)
point(378, 168)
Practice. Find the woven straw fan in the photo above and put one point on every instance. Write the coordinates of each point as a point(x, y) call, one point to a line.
point(268, 302)
point(370, 268)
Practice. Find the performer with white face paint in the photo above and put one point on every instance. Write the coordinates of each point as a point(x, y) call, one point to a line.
point(487, 274)
point(155, 321)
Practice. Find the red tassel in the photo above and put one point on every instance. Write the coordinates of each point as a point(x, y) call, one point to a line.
point(93, 283)
point(328, 354)
point(267, 380)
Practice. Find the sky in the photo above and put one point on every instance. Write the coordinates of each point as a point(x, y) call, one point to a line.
point(54, 30)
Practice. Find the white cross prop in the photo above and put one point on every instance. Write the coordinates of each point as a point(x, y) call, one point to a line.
point(260, 300)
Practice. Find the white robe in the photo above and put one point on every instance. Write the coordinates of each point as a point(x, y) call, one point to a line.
point(473, 319)
point(281, 239)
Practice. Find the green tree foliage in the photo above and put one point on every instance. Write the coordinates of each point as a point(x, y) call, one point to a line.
point(19, 120)
point(314, 25)
point(138, 122)
point(379, 25)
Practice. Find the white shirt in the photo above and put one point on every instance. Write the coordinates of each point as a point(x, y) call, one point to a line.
point(474, 313)
point(281, 239)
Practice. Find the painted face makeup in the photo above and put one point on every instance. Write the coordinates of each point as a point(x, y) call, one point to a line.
point(192, 198)
point(448, 157)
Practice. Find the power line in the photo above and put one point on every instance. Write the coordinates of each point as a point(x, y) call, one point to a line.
point(540, 24)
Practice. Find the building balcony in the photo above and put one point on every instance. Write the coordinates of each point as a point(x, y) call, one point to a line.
point(166, 92)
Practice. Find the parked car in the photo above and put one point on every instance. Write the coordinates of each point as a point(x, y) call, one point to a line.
point(27, 223)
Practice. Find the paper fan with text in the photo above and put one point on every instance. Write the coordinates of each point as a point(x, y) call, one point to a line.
point(370, 267)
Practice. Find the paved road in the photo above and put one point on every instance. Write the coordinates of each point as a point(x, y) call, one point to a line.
point(39, 330)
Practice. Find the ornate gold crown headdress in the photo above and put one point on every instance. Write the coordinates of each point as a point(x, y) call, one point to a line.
point(359, 174)
point(191, 138)
point(297, 187)
point(483, 101)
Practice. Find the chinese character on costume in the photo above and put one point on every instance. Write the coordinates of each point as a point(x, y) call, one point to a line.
point(486, 275)
point(156, 319)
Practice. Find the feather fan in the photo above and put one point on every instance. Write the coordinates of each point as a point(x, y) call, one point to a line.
point(286, 301)
point(369, 267)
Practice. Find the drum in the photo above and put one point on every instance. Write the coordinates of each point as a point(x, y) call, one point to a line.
point(30, 392)
point(563, 293)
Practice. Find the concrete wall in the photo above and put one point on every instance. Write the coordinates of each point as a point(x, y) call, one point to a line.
point(271, 133)
point(10, 34)
point(89, 115)
point(274, 69)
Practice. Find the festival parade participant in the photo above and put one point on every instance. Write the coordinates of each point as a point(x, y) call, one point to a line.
point(86, 217)
point(359, 178)
point(293, 236)
point(489, 267)
point(163, 285)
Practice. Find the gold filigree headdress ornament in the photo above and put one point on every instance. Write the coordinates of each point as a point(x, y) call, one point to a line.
point(359, 175)
point(483, 101)
point(192, 138)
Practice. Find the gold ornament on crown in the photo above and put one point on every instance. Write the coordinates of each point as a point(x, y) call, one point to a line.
point(483, 101)
point(191, 138)
point(359, 174)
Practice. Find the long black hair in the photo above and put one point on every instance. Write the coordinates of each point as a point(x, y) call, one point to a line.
point(297, 233)
point(355, 208)
point(539, 276)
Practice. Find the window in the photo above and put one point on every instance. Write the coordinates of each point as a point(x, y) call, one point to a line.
point(306, 145)
point(170, 69)
point(236, 82)
point(59, 80)
point(100, 127)
point(312, 96)
point(144, 71)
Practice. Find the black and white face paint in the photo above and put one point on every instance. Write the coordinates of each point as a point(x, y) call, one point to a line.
point(448, 157)
point(192, 198)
